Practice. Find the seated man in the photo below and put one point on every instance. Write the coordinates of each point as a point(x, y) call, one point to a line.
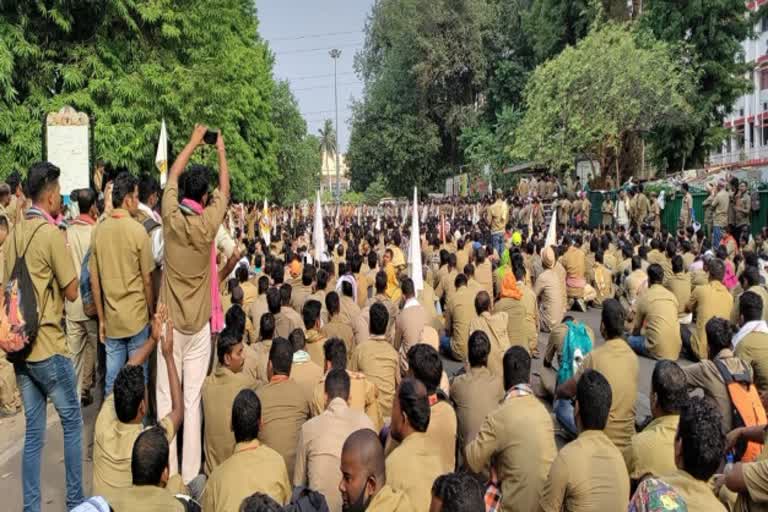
point(517, 439)
point(459, 313)
point(363, 484)
point(235, 479)
point(751, 342)
point(257, 354)
point(652, 451)
point(553, 354)
point(119, 422)
point(335, 328)
point(219, 391)
point(314, 338)
point(495, 327)
point(588, 473)
point(149, 477)
point(304, 370)
point(457, 492)
point(656, 331)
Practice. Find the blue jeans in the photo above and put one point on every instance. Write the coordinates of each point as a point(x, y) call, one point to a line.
point(564, 414)
point(717, 234)
point(118, 352)
point(52, 378)
point(637, 343)
point(497, 242)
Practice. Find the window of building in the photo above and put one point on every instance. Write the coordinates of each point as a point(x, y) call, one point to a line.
point(763, 79)
point(764, 24)
point(741, 112)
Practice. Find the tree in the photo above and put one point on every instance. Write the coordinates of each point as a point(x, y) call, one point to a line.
point(327, 140)
point(131, 63)
point(590, 98)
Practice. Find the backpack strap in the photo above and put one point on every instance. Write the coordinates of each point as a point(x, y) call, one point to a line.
point(150, 224)
point(729, 377)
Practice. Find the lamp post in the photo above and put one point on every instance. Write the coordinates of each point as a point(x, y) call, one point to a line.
point(335, 54)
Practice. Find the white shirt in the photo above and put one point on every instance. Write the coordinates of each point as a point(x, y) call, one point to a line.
point(158, 243)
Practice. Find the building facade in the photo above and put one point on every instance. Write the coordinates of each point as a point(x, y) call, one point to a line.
point(328, 173)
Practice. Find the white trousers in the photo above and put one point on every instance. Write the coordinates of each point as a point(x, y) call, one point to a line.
point(191, 353)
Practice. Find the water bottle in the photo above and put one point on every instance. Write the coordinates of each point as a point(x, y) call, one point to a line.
point(728, 464)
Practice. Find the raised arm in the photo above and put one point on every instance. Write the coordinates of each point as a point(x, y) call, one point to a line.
point(177, 400)
point(183, 159)
point(145, 351)
point(223, 166)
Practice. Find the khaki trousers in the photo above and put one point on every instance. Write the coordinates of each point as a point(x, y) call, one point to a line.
point(192, 354)
point(82, 337)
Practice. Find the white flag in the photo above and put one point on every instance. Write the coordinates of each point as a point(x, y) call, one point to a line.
point(414, 249)
point(161, 157)
point(318, 235)
point(265, 224)
point(551, 239)
point(378, 220)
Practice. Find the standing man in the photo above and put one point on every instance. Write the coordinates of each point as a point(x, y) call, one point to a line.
point(607, 209)
point(719, 200)
point(686, 208)
point(121, 263)
point(82, 330)
point(498, 215)
point(742, 210)
point(190, 287)
point(47, 371)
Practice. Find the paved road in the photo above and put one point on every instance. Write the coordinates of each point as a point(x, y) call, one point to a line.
point(53, 489)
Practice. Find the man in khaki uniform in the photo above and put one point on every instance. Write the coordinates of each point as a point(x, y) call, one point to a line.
point(484, 273)
point(475, 393)
point(304, 371)
point(321, 283)
point(190, 285)
point(363, 394)
point(219, 391)
point(300, 293)
point(284, 404)
point(410, 323)
point(378, 360)
point(314, 337)
point(381, 297)
point(236, 479)
point(719, 202)
point(749, 280)
point(680, 286)
point(517, 438)
point(554, 352)
point(257, 354)
point(707, 301)
point(751, 342)
point(497, 217)
point(652, 451)
point(349, 310)
point(574, 261)
point(82, 330)
point(335, 328)
point(642, 207)
point(495, 327)
point(363, 475)
point(618, 364)
point(286, 319)
point(588, 473)
point(321, 439)
point(685, 208)
point(446, 288)
point(459, 313)
point(259, 307)
point(410, 417)
point(120, 264)
point(519, 304)
point(656, 331)
point(550, 292)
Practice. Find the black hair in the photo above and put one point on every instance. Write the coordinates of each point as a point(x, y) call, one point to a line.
point(14, 181)
point(148, 185)
point(655, 274)
point(414, 404)
point(85, 199)
point(594, 396)
point(241, 272)
point(669, 383)
point(129, 390)
point(124, 185)
point(700, 431)
point(263, 285)
point(379, 319)
point(298, 339)
point(235, 321)
point(381, 281)
point(478, 348)
point(227, 341)
point(719, 333)
point(41, 176)
point(308, 275)
point(461, 280)
point(196, 182)
point(149, 457)
point(716, 269)
point(750, 277)
point(469, 270)
point(267, 326)
point(459, 492)
point(281, 356)
point(425, 364)
point(751, 306)
point(310, 313)
point(332, 303)
point(677, 264)
point(335, 352)
point(285, 294)
point(346, 289)
point(408, 288)
point(337, 384)
point(273, 300)
point(482, 302)
point(246, 416)
point(517, 367)
point(613, 319)
point(637, 262)
point(259, 502)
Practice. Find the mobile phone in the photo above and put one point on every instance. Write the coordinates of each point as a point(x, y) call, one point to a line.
point(210, 137)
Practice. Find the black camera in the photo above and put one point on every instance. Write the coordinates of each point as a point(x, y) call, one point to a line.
point(210, 137)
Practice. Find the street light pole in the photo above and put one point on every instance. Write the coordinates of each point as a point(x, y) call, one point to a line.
point(335, 54)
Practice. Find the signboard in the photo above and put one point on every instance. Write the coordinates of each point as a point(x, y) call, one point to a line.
point(67, 143)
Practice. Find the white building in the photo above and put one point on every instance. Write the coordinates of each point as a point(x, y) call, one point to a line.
point(328, 172)
point(748, 120)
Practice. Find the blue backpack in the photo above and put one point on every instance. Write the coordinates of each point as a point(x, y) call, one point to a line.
point(576, 346)
point(89, 306)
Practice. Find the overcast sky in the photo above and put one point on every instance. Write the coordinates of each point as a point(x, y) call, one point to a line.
point(300, 33)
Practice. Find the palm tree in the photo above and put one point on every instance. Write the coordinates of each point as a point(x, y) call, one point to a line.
point(327, 136)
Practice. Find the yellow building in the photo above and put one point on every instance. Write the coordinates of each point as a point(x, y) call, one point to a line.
point(328, 173)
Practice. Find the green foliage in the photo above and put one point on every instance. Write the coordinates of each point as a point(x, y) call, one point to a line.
point(131, 63)
point(376, 191)
point(592, 96)
point(490, 145)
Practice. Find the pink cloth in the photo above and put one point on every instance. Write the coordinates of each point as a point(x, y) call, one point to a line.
point(217, 313)
point(36, 210)
point(575, 282)
point(730, 280)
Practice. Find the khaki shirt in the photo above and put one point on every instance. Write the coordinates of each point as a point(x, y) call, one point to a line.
point(697, 494)
point(550, 292)
point(255, 311)
point(653, 450)
point(78, 241)
point(219, 392)
point(447, 285)
point(51, 270)
point(187, 276)
point(618, 364)
point(336, 329)
point(392, 310)
point(588, 474)
point(236, 478)
point(299, 296)
point(484, 277)
point(475, 394)
point(349, 311)
point(408, 328)
point(720, 204)
point(363, 397)
point(121, 254)
point(390, 500)
point(680, 286)
point(380, 363)
point(743, 209)
point(318, 457)
point(412, 468)
point(499, 215)
point(519, 437)
point(708, 301)
point(147, 498)
point(314, 346)
point(256, 359)
point(762, 292)
point(307, 375)
point(495, 326)
point(755, 499)
point(656, 316)
point(753, 350)
point(522, 318)
point(460, 311)
point(319, 296)
point(284, 409)
point(286, 321)
point(112, 448)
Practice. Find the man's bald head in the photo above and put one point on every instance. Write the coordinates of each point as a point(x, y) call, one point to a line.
point(365, 447)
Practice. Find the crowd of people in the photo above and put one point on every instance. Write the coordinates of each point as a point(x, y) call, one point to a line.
point(241, 367)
